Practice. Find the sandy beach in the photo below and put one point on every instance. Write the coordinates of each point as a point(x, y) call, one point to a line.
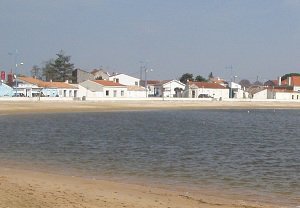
point(24, 188)
point(20, 188)
point(13, 107)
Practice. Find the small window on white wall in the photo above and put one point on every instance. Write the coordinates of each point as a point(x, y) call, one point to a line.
point(107, 92)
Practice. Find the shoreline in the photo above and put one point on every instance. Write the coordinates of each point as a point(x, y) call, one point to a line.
point(27, 107)
point(31, 188)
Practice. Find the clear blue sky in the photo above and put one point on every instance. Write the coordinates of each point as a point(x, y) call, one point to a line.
point(257, 37)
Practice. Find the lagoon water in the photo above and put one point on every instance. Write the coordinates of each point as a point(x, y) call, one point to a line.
point(256, 153)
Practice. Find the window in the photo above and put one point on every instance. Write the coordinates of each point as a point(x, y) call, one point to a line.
point(292, 97)
point(107, 92)
point(117, 80)
point(115, 93)
point(193, 94)
point(136, 83)
point(65, 93)
point(70, 93)
point(122, 93)
point(297, 97)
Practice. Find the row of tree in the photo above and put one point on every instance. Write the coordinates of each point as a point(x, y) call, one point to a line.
point(190, 77)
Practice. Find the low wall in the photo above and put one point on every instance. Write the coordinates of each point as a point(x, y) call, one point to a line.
point(69, 99)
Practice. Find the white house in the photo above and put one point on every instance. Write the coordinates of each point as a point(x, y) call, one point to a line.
point(5, 90)
point(103, 89)
point(150, 86)
point(205, 90)
point(169, 88)
point(236, 91)
point(275, 93)
point(125, 80)
point(286, 95)
point(260, 93)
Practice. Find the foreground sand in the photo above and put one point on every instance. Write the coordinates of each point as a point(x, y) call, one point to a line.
point(15, 107)
point(24, 188)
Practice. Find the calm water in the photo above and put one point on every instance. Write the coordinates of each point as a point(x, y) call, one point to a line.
point(256, 153)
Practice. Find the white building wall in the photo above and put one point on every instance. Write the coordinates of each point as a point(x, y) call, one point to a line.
point(287, 96)
point(136, 94)
point(169, 88)
point(118, 92)
point(214, 93)
point(88, 93)
point(261, 95)
point(240, 94)
point(125, 79)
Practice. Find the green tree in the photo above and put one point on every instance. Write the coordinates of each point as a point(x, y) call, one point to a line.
point(199, 78)
point(185, 77)
point(59, 69)
point(49, 72)
point(63, 66)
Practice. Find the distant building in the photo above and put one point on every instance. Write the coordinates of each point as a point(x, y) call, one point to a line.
point(100, 74)
point(150, 86)
point(79, 75)
point(169, 88)
point(103, 89)
point(125, 79)
point(205, 90)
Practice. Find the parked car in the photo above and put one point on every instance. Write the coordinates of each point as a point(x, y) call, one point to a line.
point(18, 95)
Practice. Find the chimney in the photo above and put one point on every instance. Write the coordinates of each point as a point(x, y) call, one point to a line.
point(289, 81)
point(279, 81)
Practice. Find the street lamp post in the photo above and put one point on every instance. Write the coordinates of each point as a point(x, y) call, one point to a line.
point(16, 77)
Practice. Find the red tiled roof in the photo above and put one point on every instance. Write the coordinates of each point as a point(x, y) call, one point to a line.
point(295, 81)
point(41, 83)
point(207, 85)
point(31, 80)
point(108, 83)
point(57, 85)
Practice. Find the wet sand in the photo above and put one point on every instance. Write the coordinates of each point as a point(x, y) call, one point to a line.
point(10, 107)
point(25, 188)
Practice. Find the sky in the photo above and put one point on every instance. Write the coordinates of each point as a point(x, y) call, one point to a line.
point(250, 39)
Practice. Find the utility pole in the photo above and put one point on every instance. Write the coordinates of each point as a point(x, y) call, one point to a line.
point(230, 68)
